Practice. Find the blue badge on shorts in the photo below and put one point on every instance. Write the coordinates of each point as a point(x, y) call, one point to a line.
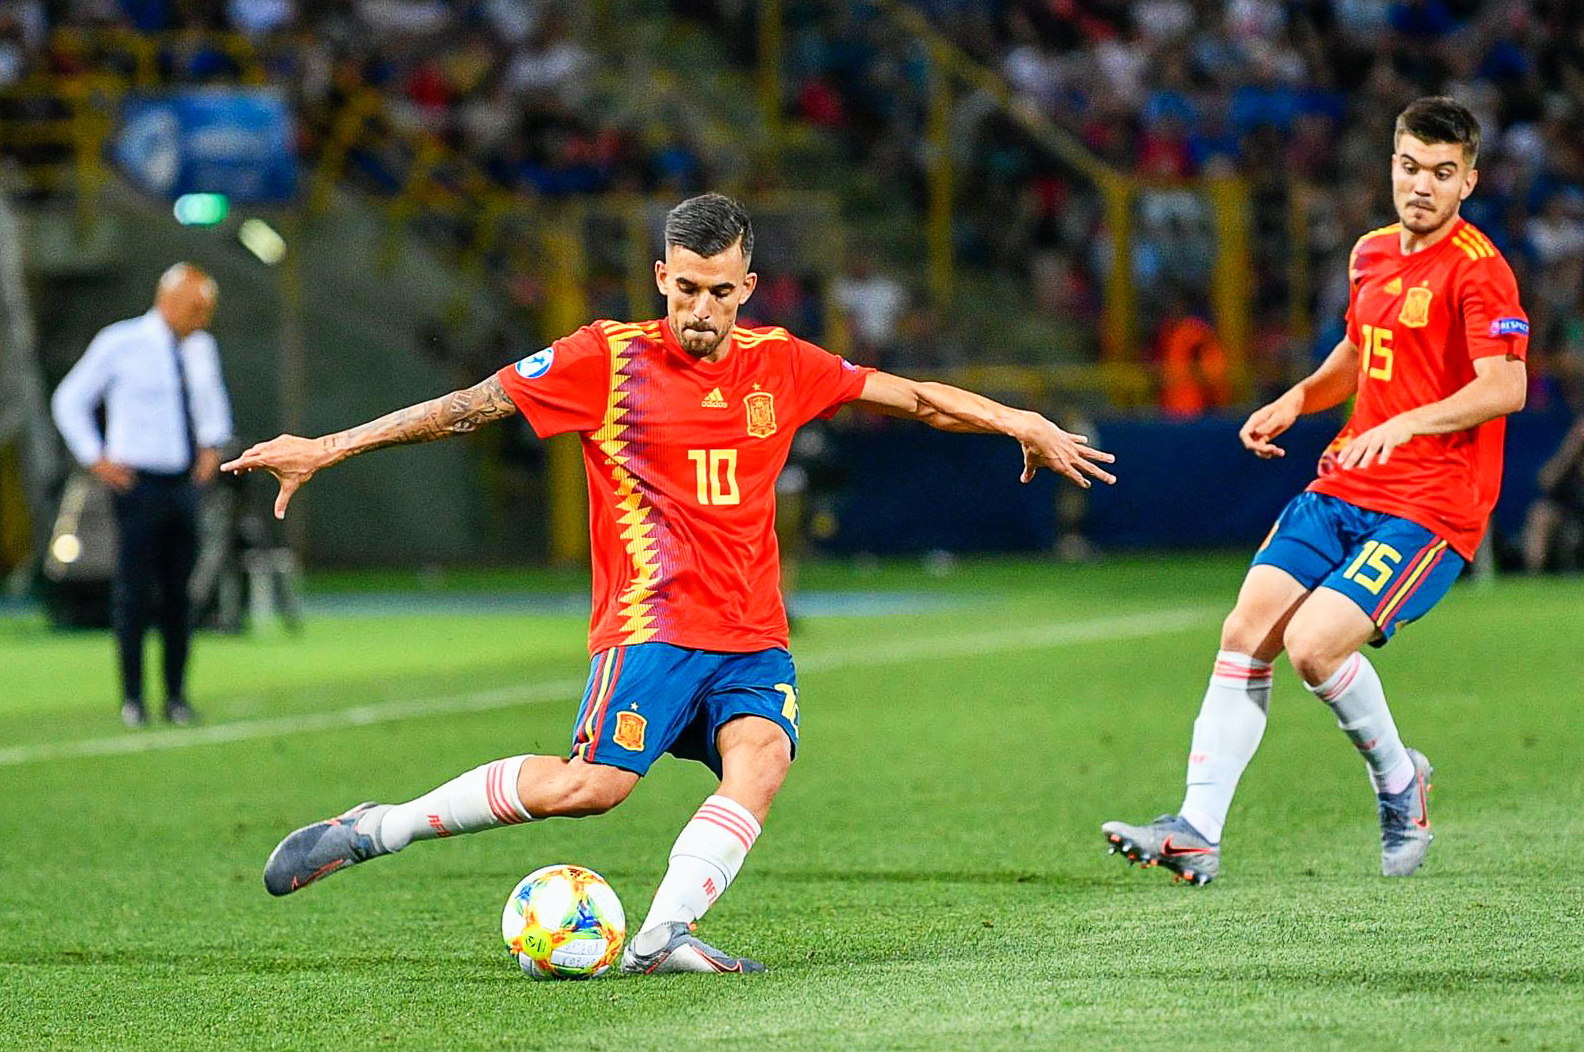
point(536, 365)
point(1509, 327)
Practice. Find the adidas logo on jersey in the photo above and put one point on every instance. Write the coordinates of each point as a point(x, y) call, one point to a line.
point(1394, 287)
point(713, 400)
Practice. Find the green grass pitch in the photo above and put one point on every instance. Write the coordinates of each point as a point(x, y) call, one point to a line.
point(932, 877)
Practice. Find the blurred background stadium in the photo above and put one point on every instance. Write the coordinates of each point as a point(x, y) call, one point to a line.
point(1135, 216)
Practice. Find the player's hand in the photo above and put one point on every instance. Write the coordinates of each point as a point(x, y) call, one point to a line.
point(1047, 446)
point(1267, 422)
point(118, 477)
point(1375, 445)
point(292, 460)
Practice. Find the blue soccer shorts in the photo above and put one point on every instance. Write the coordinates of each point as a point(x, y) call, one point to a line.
point(651, 698)
point(1394, 569)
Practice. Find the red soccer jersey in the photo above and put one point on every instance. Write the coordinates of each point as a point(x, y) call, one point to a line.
point(682, 457)
point(1419, 322)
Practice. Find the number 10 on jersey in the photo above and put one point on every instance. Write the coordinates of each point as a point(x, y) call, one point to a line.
point(716, 473)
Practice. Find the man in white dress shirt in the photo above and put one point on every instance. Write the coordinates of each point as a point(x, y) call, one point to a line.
point(166, 415)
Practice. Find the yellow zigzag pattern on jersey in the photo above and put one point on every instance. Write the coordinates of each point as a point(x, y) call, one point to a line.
point(634, 515)
point(1474, 244)
point(747, 338)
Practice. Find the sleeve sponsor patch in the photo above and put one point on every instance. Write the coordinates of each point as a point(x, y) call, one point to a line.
point(537, 364)
point(1509, 327)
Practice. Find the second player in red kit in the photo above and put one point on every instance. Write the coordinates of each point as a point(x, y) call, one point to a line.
point(1421, 321)
point(1434, 353)
point(685, 423)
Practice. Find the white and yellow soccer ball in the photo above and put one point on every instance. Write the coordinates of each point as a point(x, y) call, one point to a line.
point(564, 922)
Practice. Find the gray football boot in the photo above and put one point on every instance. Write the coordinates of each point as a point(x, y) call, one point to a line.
point(316, 851)
point(1169, 842)
point(683, 952)
point(1405, 821)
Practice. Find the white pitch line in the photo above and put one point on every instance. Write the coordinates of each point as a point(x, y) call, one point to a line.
point(1028, 637)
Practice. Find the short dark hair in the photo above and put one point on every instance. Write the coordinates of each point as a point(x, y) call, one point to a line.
point(709, 224)
point(1437, 119)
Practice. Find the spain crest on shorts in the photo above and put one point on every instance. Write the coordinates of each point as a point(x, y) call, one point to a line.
point(761, 414)
point(1416, 308)
point(630, 729)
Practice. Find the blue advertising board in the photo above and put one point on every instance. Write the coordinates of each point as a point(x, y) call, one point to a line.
point(233, 141)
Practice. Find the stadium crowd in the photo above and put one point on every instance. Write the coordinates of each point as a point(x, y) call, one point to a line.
point(504, 83)
point(1287, 93)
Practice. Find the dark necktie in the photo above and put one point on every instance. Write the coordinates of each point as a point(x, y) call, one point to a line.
point(190, 442)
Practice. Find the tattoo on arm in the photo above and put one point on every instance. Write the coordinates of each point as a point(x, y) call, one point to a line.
point(454, 414)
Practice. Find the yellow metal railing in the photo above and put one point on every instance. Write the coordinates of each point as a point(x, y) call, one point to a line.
point(15, 530)
point(55, 129)
point(953, 68)
point(93, 46)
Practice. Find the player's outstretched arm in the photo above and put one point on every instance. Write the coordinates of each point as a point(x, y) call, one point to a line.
point(952, 409)
point(1500, 386)
point(294, 460)
point(1330, 385)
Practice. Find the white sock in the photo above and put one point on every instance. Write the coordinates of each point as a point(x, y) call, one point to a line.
point(1229, 728)
point(1355, 695)
point(704, 861)
point(482, 798)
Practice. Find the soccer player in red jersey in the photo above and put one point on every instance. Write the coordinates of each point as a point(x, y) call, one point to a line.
point(685, 423)
point(1434, 352)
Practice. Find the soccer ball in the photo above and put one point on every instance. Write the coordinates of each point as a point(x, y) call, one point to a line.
point(564, 922)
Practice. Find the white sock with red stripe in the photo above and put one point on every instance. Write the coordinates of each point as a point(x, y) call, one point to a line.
point(1229, 728)
point(483, 798)
point(1355, 694)
point(704, 861)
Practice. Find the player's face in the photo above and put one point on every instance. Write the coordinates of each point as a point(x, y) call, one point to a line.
point(703, 295)
point(1429, 183)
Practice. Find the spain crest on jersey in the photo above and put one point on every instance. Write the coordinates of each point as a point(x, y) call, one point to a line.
point(630, 729)
point(761, 414)
point(1416, 308)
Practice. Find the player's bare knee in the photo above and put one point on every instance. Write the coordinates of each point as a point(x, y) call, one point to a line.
point(1313, 654)
point(1245, 633)
point(755, 758)
point(1238, 633)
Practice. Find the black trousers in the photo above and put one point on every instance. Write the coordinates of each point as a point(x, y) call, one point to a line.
point(157, 525)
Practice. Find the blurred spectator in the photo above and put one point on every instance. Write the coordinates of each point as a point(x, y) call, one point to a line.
point(873, 303)
point(1195, 374)
point(395, 19)
point(1556, 240)
point(513, 21)
point(261, 17)
point(13, 49)
point(552, 64)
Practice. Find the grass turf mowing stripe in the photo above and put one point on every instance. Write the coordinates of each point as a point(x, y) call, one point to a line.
point(1028, 637)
